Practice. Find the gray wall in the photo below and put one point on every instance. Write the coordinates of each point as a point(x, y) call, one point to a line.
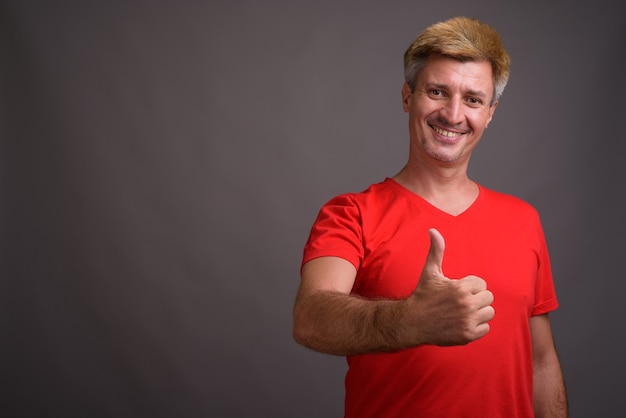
point(164, 160)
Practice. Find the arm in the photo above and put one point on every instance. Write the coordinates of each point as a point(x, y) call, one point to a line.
point(550, 398)
point(440, 311)
point(328, 319)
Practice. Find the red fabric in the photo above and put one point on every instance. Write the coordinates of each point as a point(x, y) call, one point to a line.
point(383, 232)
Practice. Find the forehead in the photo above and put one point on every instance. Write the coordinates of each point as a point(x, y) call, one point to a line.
point(453, 74)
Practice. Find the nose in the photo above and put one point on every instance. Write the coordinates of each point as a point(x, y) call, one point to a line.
point(452, 111)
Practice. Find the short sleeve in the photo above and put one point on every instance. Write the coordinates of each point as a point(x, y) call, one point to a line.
point(545, 294)
point(337, 232)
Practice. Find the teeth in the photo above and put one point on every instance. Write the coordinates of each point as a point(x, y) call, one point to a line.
point(445, 133)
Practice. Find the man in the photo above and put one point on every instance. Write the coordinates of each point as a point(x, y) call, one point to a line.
point(435, 288)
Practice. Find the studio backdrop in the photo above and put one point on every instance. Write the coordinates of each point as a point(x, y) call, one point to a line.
point(163, 161)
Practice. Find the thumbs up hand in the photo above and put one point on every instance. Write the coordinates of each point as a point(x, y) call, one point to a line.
point(448, 312)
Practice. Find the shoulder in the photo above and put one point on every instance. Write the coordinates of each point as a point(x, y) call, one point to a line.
point(504, 199)
point(372, 195)
point(507, 203)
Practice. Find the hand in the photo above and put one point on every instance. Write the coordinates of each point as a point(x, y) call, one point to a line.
point(448, 312)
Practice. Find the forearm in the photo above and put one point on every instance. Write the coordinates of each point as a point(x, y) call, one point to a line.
point(341, 324)
point(439, 311)
point(550, 397)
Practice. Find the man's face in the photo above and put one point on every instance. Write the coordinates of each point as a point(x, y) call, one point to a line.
point(449, 109)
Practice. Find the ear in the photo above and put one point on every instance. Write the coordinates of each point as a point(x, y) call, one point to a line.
point(406, 97)
point(492, 109)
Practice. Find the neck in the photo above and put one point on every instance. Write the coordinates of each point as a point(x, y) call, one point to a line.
point(447, 188)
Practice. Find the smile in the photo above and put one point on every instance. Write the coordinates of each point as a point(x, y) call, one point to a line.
point(447, 134)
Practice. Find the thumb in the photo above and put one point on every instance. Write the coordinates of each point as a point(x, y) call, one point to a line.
point(434, 260)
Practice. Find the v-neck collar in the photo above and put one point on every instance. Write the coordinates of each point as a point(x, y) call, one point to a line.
point(434, 209)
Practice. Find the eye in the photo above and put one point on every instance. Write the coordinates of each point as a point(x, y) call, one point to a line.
point(474, 101)
point(435, 93)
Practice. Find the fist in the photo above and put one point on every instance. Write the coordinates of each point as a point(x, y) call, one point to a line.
point(448, 312)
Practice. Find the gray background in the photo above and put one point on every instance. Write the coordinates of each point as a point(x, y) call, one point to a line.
point(162, 163)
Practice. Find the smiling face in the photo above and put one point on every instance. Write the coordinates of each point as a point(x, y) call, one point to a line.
point(449, 109)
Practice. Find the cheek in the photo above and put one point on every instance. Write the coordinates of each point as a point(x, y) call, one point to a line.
point(480, 122)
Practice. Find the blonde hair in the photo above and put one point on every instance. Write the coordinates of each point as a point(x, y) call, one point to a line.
point(463, 39)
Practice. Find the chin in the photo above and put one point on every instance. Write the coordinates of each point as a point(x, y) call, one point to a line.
point(443, 156)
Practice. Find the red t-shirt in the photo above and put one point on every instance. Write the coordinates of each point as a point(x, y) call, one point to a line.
point(383, 232)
